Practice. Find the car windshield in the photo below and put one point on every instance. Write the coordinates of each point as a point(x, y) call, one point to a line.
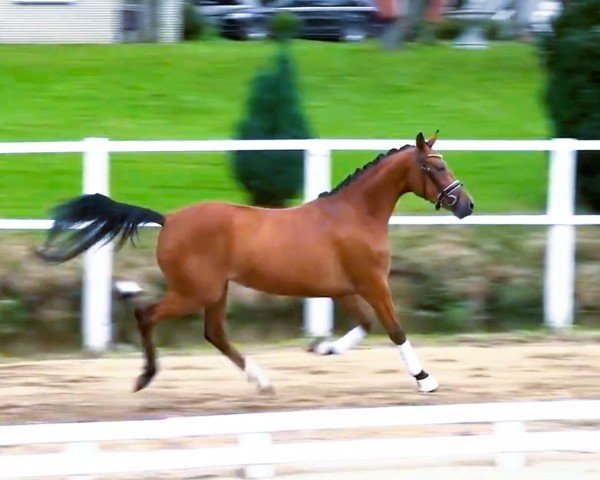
point(310, 3)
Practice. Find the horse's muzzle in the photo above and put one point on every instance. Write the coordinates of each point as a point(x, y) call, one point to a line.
point(463, 208)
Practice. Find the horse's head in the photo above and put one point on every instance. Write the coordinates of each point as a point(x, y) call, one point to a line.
point(433, 180)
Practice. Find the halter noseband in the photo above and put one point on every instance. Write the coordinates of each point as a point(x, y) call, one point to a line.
point(446, 194)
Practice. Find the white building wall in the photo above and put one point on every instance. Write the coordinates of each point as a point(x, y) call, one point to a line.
point(66, 21)
point(170, 21)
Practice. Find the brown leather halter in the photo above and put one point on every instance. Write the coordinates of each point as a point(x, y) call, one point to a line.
point(446, 195)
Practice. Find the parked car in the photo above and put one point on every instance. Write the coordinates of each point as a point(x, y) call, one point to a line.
point(213, 10)
point(343, 20)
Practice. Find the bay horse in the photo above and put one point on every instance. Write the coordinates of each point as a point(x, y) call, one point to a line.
point(334, 246)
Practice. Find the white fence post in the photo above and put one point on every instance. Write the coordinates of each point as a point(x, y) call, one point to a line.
point(254, 445)
point(97, 262)
point(318, 312)
point(509, 434)
point(559, 281)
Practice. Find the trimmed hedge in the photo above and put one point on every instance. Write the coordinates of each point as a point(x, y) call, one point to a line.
point(487, 279)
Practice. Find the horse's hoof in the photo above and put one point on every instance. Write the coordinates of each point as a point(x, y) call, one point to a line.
point(315, 342)
point(267, 390)
point(428, 384)
point(142, 381)
point(322, 347)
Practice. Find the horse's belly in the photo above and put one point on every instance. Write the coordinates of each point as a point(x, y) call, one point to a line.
point(293, 288)
point(287, 252)
point(293, 276)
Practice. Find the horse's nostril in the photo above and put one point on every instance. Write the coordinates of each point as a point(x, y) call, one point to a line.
point(471, 205)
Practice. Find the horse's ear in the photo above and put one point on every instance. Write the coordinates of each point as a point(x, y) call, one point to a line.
point(432, 139)
point(421, 145)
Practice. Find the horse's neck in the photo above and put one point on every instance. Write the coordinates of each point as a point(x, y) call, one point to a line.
point(377, 193)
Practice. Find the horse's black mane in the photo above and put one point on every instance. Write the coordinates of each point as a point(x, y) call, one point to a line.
point(350, 178)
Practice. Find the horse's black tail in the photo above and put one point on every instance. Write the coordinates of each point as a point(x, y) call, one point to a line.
point(86, 220)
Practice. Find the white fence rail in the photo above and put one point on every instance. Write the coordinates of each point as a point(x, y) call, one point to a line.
point(256, 447)
point(560, 252)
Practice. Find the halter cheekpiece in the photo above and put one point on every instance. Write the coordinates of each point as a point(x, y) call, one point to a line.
point(446, 194)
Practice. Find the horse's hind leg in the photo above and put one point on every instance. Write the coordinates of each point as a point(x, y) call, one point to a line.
point(357, 307)
point(378, 294)
point(214, 332)
point(172, 306)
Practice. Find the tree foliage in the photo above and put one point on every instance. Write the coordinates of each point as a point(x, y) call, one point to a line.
point(572, 57)
point(193, 23)
point(273, 112)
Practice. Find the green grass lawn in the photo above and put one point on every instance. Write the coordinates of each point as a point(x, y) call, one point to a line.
point(198, 90)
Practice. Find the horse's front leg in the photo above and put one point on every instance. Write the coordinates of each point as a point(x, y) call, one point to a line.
point(377, 293)
point(358, 308)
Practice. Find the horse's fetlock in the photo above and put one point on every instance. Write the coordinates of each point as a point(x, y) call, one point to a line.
point(150, 370)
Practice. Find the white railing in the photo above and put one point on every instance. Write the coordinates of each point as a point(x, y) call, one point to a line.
point(560, 252)
point(258, 453)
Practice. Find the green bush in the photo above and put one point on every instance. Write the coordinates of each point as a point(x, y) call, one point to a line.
point(572, 57)
point(273, 112)
point(493, 30)
point(13, 317)
point(283, 26)
point(193, 24)
point(475, 280)
point(448, 29)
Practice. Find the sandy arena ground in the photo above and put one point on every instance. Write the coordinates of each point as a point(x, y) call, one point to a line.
point(100, 389)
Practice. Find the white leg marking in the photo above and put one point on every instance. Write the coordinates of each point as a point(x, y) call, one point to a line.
point(414, 367)
point(343, 344)
point(256, 375)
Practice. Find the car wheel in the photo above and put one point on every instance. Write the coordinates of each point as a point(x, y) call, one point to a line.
point(255, 31)
point(352, 33)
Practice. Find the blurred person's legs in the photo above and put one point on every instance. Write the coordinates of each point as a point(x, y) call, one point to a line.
point(394, 33)
point(432, 17)
point(394, 13)
point(415, 16)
